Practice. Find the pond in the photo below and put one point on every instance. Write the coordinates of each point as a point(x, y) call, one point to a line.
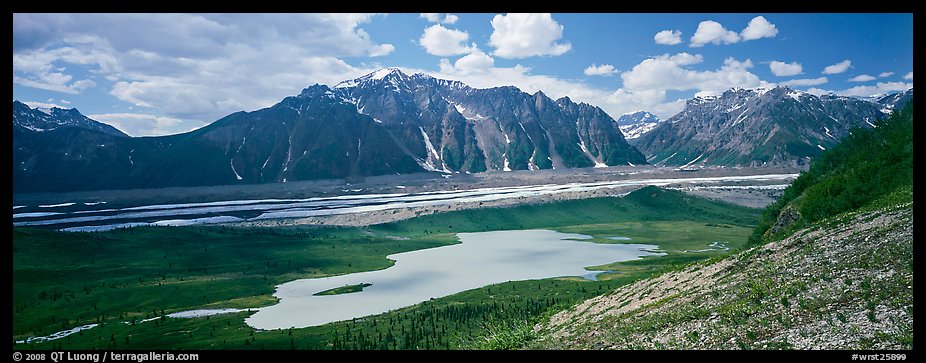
point(481, 259)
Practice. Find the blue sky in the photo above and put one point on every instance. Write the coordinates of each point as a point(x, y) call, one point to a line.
point(156, 74)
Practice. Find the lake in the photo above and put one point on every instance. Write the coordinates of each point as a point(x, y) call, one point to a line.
point(481, 259)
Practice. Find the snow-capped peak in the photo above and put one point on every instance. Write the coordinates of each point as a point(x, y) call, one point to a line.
point(796, 95)
point(393, 76)
point(760, 90)
point(706, 95)
point(45, 110)
point(346, 84)
point(636, 130)
point(50, 118)
point(383, 73)
point(633, 120)
point(374, 76)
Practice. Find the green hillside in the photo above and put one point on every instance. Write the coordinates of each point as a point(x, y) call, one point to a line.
point(870, 167)
point(646, 204)
point(831, 268)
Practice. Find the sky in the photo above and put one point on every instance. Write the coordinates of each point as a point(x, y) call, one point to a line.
point(158, 74)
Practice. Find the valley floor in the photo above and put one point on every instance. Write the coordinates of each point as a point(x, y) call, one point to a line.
point(384, 199)
point(123, 285)
point(407, 183)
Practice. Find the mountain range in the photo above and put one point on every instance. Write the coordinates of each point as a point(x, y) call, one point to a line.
point(389, 122)
point(755, 127)
point(385, 122)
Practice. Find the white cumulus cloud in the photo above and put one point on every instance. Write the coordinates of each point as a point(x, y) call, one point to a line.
point(444, 42)
point(478, 71)
point(759, 28)
point(668, 37)
point(43, 68)
point(669, 73)
point(440, 18)
point(527, 35)
point(646, 85)
point(432, 17)
point(380, 50)
point(805, 82)
point(712, 32)
point(818, 92)
point(886, 74)
point(862, 78)
point(908, 76)
point(135, 124)
point(684, 59)
point(782, 69)
point(878, 89)
point(838, 67)
point(654, 101)
point(474, 63)
point(191, 66)
point(602, 70)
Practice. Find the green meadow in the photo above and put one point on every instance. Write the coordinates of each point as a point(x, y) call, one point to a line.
point(119, 278)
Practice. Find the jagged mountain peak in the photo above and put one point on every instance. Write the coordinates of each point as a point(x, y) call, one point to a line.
point(388, 72)
point(785, 91)
point(391, 75)
point(449, 126)
point(388, 75)
point(740, 100)
point(736, 97)
point(777, 92)
point(894, 101)
point(834, 97)
point(637, 117)
point(512, 89)
point(421, 78)
point(316, 90)
point(51, 111)
point(566, 102)
point(40, 119)
point(635, 124)
point(778, 125)
point(316, 94)
point(754, 91)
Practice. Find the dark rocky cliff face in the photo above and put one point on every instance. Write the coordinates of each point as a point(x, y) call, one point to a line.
point(487, 129)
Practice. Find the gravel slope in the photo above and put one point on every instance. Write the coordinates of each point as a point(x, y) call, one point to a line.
point(845, 283)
